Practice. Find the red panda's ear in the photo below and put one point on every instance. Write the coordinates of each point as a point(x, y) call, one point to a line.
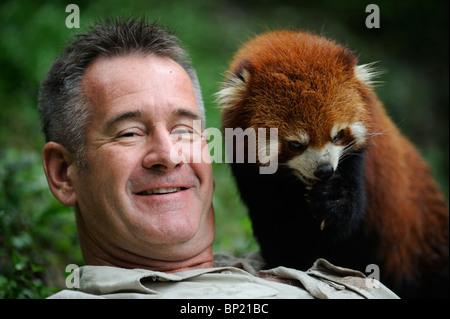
point(234, 88)
point(348, 58)
point(366, 73)
point(243, 70)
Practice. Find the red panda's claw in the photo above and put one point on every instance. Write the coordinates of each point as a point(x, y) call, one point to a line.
point(322, 225)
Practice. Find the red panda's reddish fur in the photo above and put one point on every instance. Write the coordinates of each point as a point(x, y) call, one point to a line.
point(406, 211)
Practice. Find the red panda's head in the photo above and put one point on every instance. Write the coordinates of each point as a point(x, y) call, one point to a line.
point(309, 88)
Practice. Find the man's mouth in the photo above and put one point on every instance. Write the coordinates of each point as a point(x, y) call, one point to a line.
point(161, 191)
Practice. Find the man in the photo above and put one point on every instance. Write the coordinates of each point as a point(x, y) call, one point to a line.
point(112, 106)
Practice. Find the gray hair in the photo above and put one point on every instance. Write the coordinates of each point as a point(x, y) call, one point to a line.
point(64, 110)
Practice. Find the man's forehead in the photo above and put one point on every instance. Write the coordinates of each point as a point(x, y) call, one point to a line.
point(130, 62)
point(120, 75)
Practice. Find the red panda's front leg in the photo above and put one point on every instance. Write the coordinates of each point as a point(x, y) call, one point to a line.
point(339, 203)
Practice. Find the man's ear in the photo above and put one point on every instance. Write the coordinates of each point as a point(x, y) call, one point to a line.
point(59, 167)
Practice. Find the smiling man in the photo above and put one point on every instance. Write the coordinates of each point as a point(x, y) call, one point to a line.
point(161, 211)
point(134, 207)
point(113, 105)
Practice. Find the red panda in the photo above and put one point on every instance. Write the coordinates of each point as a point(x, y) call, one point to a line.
point(349, 187)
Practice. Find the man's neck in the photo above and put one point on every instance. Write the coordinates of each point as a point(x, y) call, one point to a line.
point(168, 259)
point(102, 258)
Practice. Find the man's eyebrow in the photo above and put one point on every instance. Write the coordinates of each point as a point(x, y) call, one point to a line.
point(122, 117)
point(182, 112)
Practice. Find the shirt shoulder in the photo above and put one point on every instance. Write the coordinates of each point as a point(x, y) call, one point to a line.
point(231, 278)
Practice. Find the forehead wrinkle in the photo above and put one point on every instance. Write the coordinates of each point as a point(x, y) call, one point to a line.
point(118, 87)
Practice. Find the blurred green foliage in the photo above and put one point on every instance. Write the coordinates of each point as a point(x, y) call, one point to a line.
point(38, 235)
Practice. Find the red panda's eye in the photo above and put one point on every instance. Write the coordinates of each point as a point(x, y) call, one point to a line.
point(338, 136)
point(296, 146)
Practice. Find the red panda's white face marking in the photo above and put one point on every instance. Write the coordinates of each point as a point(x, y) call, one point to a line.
point(359, 133)
point(309, 164)
point(314, 163)
point(301, 138)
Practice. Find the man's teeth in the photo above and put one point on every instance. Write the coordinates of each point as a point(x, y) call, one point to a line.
point(160, 191)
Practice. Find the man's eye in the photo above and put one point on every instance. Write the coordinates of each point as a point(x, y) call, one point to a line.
point(129, 133)
point(182, 133)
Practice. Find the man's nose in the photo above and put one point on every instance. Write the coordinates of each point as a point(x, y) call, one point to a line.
point(159, 155)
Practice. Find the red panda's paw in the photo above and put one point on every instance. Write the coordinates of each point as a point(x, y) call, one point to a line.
point(327, 202)
point(336, 204)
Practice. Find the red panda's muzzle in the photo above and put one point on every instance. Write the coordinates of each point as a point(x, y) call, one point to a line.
point(324, 172)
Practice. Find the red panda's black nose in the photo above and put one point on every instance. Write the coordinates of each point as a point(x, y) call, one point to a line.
point(324, 172)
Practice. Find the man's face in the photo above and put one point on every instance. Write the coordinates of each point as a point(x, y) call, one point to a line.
point(133, 196)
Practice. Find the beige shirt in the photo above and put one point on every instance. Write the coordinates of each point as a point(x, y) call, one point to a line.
point(231, 278)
